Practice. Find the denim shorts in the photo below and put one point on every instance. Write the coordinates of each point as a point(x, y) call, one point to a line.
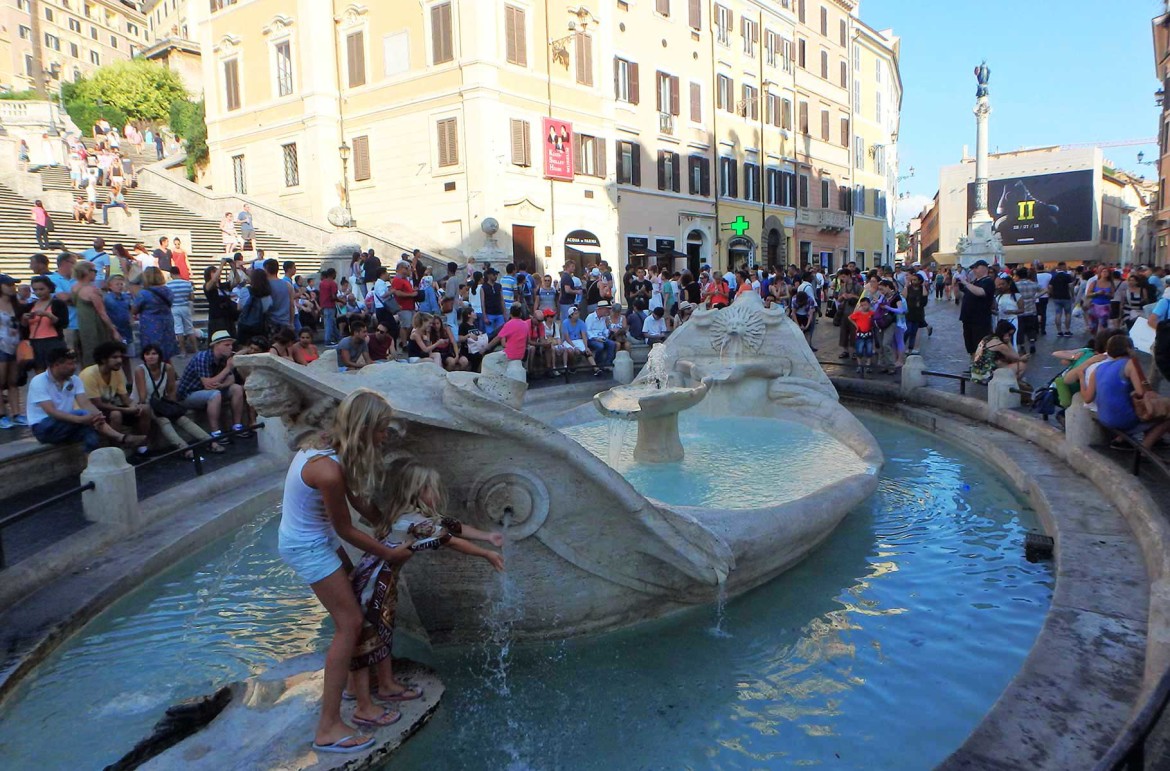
point(7, 357)
point(312, 561)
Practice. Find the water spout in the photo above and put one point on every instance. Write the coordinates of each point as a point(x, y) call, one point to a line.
point(505, 609)
point(618, 429)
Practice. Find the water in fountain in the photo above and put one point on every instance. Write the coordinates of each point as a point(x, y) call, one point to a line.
point(617, 430)
point(656, 370)
point(504, 611)
point(720, 612)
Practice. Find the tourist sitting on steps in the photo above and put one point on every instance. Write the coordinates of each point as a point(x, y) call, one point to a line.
point(209, 381)
point(353, 352)
point(654, 328)
point(156, 383)
point(105, 385)
point(59, 411)
point(597, 328)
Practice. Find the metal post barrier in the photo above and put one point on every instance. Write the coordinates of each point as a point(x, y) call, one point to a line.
point(25, 513)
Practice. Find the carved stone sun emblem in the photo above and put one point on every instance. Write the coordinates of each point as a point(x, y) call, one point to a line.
point(738, 328)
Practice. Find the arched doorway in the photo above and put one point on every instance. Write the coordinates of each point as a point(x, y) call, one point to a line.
point(583, 248)
point(696, 250)
point(740, 250)
point(773, 248)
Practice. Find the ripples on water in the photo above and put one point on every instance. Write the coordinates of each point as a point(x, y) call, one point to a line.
point(882, 650)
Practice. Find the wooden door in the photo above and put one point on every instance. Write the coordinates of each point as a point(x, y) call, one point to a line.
point(524, 247)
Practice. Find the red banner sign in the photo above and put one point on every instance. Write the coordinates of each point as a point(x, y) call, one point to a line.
point(558, 149)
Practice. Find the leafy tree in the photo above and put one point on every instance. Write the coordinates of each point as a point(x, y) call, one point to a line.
point(189, 121)
point(903, 240)
point(137, 89)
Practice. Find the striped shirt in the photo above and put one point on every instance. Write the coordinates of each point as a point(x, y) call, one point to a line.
point(181, 291)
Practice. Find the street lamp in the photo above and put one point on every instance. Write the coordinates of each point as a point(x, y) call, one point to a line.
point(1141, 156)
point(908, 176)
point(344, 151)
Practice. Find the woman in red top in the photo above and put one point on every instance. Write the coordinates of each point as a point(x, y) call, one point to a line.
point(179, 259)
point(717, 292)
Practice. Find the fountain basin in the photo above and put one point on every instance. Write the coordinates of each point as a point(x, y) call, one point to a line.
point(656, 411)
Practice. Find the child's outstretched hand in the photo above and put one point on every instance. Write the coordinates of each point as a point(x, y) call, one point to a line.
point(496, 559)
point(496, 539)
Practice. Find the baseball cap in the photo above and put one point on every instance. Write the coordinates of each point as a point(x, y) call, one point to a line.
point(573, 310)
point(7, 279)
point(549, 313)
point(979, 263)
point(595, 272)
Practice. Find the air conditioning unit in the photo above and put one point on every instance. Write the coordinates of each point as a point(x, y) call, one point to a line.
point(665, 123)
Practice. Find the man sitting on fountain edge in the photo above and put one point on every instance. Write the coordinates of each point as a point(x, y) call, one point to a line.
point(597, 329)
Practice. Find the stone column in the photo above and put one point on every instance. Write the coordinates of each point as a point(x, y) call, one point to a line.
point(273, 439)
point(912, 373)
point(114, 499)
point(999, 391)
point(1081, 428)
point(623, 368)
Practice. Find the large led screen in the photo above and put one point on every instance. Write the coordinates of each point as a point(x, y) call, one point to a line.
point(1041, 209)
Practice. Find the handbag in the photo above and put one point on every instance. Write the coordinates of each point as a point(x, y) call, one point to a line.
point(49, 226)
point(161, 405)
point(24, 353)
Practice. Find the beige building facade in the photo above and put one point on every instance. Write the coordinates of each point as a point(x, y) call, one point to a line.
point(877, 99)
point(634, 131)
point(171, 42)
point(53, 41)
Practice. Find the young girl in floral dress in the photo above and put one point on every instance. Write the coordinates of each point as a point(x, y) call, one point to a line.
point(411, 517)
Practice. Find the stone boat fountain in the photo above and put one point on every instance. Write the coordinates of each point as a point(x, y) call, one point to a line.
point(589, 551)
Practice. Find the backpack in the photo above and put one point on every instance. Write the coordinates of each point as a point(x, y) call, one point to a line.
point(253, 313)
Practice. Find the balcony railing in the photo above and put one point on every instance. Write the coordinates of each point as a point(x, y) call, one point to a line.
point(665, 123)
point(825, 219)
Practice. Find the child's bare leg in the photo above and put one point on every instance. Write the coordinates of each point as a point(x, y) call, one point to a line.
point(359, 686)
point(389, 687)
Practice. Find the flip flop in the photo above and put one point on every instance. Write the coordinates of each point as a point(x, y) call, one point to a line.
point(401, 695)
point(388, 717)
point(340, 747)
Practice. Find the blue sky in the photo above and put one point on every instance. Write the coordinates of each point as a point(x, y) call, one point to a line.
point(1067, 72)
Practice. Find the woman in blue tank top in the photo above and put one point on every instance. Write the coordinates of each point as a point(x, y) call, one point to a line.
point(1114, 385)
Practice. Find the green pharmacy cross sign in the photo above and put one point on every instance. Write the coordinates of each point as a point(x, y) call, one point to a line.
point(740, 226)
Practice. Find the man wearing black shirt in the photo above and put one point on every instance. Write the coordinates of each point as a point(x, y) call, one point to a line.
point(640, 288)
point(978, 298)
point(569, 293)
point(493, 302)
point(163, 255)
point(371, 267)
point(1060, 295)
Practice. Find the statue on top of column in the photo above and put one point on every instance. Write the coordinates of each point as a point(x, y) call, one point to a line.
point(983, 75)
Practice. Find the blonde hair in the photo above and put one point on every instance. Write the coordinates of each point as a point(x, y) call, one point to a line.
point(360, 416)
point(152, 276)
point(421, 320)
point(83, 269)
point(411, 480)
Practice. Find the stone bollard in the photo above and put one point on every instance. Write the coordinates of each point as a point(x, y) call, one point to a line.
point(273, 439)
point(999, 391)
point(495, 363)
point(623, 368)
point(114, 499)
point(912, 373)
point(1081, 428)
point(515, 370)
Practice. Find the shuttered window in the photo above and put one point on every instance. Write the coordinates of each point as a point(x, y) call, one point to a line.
point(662, 6)
point(583, 52)
point(516, 41)
point(696, 103)
point(231, 83)
point(589, 155)
point(844, 132)
point(629, 163)
point(804, 117)
point(442, 49)
point(355, 57)
point(448, 141)
point(668, 171)
point(699, 174)
point(625, 81)
point(361, 158)
point(239, 175)
point(695, 14)
point(825, 125)
point(519, 136)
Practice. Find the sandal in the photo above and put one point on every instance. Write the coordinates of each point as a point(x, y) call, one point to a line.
point(216, 448)
point(131, 440)
point(408, 693)
point(388, 717)
point(340, 745)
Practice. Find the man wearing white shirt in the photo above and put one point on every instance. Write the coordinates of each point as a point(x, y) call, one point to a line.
point(654, 327)
point(732, 281)
point(54, 397)
point(1043, 278)
point(597, 330)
